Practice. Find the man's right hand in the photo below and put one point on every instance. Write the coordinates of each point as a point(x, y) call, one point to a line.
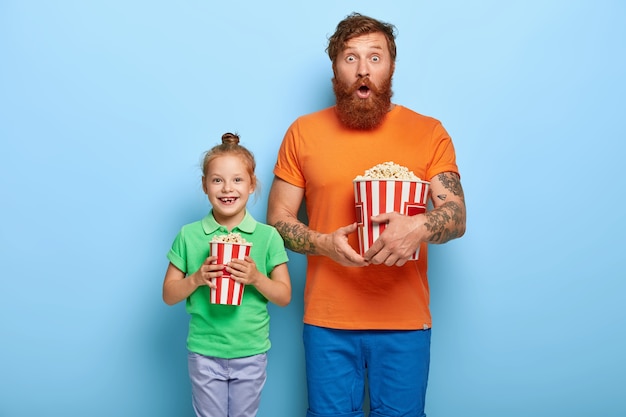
point(336, 247)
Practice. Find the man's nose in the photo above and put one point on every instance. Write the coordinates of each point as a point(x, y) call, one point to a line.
point(363, 69)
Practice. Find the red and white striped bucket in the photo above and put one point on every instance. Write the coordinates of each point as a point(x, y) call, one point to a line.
point(228, 290)
point(374, 197)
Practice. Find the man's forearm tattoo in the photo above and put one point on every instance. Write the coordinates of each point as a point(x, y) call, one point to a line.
point(447, 221)
point(297, 237)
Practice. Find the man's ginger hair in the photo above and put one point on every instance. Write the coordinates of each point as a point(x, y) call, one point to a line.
point(356, 24)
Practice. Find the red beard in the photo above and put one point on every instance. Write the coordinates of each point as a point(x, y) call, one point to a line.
point(358, 113)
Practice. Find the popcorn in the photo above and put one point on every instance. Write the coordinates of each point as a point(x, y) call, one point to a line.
point(229, 238)
point(388, 170)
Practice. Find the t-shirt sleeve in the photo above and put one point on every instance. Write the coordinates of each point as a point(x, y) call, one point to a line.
point(288, 165)
point(444, 156)
point(177, 254)
point(276, 253)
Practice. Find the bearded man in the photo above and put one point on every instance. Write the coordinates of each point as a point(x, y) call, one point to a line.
point(366, 318)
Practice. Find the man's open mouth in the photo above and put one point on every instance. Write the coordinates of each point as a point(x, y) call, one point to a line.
point(363, 91)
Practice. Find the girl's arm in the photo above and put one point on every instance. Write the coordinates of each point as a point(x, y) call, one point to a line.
point(276, 288)
point(177, 286)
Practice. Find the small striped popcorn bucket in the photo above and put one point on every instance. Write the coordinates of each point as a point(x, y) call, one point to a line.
point(377, 196)
point(228, 291)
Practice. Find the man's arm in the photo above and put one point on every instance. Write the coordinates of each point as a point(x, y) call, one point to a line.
point(447, 220)
point(282, 212)
point(403, 234)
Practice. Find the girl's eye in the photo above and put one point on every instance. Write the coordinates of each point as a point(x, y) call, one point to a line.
point(217, 180)
point(238, 179)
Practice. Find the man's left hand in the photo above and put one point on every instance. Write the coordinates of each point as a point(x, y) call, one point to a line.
point(398, 242)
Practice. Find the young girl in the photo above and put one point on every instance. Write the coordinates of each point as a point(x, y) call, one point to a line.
point(227, 344)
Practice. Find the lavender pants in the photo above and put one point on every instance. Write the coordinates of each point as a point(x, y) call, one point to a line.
point(226, 387)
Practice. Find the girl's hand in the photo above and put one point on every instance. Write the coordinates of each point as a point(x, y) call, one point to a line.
point(244, 271)
point(206, 272)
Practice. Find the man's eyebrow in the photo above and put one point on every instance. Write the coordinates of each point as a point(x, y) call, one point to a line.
point(350, 48)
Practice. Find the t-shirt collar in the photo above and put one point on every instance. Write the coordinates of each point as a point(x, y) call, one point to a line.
point(210, 225)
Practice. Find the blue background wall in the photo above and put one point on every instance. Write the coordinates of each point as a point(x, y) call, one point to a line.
point(107, 106)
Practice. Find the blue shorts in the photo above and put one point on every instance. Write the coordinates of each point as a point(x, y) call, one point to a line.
point(395, 362)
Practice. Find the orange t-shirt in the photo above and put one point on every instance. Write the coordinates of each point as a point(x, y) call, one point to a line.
point(322, 156)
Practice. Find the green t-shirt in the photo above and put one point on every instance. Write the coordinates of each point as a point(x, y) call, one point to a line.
point(226, 331)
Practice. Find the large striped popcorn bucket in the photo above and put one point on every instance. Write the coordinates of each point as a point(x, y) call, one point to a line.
point(228, 291)
point(377, 196)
